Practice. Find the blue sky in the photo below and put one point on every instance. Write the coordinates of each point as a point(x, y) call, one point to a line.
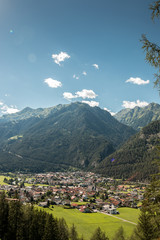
point(61, 51)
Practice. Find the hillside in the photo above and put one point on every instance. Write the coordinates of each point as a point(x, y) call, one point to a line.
point(134, 160)
point(139, 117)
point(58, 138)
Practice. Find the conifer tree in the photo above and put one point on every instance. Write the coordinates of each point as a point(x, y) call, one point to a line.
point(15, 221)
point(99, 235)
point(149, 221)
point(33, 225)
point(63, 230)
point(3, 216)
point(145, 229)
point(151, 49)
point(51, 229)
point(73, 233)
point(119, 235)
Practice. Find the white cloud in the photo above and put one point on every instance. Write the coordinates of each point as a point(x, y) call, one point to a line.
point(84, 73)
point(91, 103)
point(95, 65)
point(138, 103)
point(4, 109)
point(137, 81)
point(80, 94)
point(53, 83)
point(68, 95)
point(86, 94)
point(60, 57)
point(76, 77)
point(9, 110)
point(112, 113)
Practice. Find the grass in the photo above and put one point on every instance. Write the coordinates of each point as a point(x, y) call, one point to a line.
point(2, 180)
point(80, 203)
point(129, 214)
point(86, 223)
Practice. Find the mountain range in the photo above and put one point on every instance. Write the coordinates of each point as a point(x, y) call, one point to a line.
point(74, 135)
point(139, 117)
point(77, 136)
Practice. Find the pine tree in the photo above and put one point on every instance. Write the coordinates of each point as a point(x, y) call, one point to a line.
point(51, 229)
point(34, 219)
point(119, 235)
point(15, 221)
point(153, 50)
point(63, 230)
point(73, 233)
point(3, 216)
point(149, 221)
point(145, 229)
point(99, 235)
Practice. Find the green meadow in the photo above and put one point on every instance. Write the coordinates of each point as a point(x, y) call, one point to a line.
point(2, 180)
point(129, 214)
point(86, 223)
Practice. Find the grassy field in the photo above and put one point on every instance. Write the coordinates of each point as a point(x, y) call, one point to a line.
point(86, 223)
point(129, 214)
point(1, 180)
point(80, 203)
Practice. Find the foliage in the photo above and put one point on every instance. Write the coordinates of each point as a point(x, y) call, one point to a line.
point(74, 135)
point(119, 235)
point(63, 230)
point(99, 235)
point(149, 221)
point(73, 233)
point(19, 222)
point(152, 50)
point(133, 161)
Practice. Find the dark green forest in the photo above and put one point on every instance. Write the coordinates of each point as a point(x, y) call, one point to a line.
point(134, 160)
point(74, 135)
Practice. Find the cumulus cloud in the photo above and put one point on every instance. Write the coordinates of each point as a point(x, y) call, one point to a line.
point(68, 95)
point(137, 81)
point(95, 65)
point(112, 113)
point(138, 103)
point(84, 73)
point(61, 57)
point(80, 94)
point(5, 109)
point(53, 83)
point(86, 94)
point(91, 103)
point(76, 77)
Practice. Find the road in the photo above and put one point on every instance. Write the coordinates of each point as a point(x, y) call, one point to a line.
point(111, 215)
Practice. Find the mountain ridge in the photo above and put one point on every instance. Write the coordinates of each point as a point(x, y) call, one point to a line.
point(134, 159)
point(75, 134)
point(139, 117)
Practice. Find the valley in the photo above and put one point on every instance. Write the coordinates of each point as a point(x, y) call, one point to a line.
point(83, 198)
point(78, 137)
point(79, 163)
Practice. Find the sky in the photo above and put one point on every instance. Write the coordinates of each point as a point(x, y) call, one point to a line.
point(61, 51)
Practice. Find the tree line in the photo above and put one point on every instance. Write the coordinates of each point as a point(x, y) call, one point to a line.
point(24, 222)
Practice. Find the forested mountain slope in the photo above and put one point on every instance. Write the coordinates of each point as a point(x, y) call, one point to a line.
point(134, 160)
point(74, 135)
